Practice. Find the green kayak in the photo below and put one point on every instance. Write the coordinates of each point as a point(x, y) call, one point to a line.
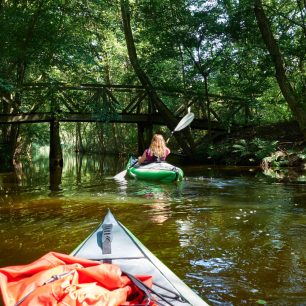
point(156, 171)
point(113, 243)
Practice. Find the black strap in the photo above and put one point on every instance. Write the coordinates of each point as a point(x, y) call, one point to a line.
point(139, 284)
point(149, 292)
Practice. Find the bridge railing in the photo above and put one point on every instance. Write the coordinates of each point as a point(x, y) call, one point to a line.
point(98, 102)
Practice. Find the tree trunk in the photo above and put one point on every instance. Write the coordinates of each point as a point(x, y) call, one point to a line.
point(19, 66)
point(100, 137)
point(207, 105)
point(6, 151)
point(115, 138)
point(108, 82)
point(169, 118)
point(291, 97)
point(16, 104)
point(78, 138)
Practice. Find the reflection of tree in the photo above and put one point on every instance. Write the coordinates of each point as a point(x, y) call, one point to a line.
point(78, 167)
point(22, 175)
point(10, 182)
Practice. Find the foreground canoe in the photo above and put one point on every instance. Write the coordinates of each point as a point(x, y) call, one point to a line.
point(113, 243)
point(156, 171)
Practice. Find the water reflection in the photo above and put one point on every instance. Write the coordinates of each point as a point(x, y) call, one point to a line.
point(286, 174)
point(235, 236)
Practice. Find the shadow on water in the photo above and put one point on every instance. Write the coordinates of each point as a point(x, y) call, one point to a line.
point(235, 235)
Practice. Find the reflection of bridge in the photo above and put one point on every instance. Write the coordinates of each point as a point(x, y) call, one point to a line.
point(56, 103)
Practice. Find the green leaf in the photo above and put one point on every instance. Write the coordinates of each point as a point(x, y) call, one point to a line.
point(261, 302)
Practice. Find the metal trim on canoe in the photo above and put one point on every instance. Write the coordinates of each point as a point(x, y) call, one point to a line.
point(124, 249)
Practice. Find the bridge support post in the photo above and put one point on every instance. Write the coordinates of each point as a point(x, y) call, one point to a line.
point(145, 133)
point(55, 155)
point(55, 178)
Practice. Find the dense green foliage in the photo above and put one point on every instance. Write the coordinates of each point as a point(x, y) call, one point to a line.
point(211, 47)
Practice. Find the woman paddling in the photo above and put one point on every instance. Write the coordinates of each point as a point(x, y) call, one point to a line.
point(157, 151)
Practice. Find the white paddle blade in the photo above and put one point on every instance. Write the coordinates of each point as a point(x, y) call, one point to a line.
point(185, 121)
point(120, 175)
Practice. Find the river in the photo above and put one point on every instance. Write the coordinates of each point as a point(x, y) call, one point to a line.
point(235, 235)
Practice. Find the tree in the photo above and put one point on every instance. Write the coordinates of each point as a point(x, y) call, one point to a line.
point(295, 100)
point(186, 143)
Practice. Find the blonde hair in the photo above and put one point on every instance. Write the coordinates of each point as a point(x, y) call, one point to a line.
point(158, 145)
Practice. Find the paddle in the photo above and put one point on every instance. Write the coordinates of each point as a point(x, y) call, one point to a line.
point(184, 122)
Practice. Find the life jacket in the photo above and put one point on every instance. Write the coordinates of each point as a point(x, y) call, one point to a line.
point(151, 158)
point(59, 279)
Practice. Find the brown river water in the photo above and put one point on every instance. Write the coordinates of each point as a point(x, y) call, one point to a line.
point(235, 235)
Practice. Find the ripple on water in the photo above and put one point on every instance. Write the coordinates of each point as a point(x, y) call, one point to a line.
point(234, 237)
point(214, 265)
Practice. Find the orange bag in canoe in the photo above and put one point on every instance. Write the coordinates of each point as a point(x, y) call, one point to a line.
point(59, 279)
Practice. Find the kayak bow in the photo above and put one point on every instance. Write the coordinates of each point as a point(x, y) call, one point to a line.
point(113, 243)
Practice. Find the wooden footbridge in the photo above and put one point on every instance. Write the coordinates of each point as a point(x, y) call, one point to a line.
point(114, 103)
point(55, 103)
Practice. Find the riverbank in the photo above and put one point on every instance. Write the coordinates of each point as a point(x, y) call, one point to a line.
point(277, 145)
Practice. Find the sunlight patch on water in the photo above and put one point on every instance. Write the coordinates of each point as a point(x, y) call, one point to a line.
point(214, 265)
